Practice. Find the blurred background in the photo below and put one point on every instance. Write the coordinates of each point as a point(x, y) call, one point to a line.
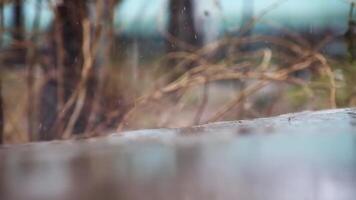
point(88, 68)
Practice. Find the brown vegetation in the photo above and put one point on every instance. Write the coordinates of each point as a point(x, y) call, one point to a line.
point(74, 89)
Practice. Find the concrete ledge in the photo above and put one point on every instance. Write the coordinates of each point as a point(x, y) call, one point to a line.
point(308, 155)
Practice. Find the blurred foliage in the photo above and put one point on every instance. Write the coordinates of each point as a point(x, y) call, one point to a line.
point(143, 83)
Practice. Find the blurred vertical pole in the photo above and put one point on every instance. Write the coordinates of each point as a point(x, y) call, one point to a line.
point(182, 34)
point(18, 20)
point(1, 116)
point(181, 26)
point(2, 21)
point(173, 24)
point(109, 17)
point(31, 61)
point(69, 17)
point(350, 35)
point(103, 103)
point(1, 100)
point(98, 111)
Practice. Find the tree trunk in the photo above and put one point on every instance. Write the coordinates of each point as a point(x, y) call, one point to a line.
point(70, 15)
point(350, 35)
point(1, 101)
point(181, 29)
point(69, 60)
point(1, 117)
point(18, 20)
point(182, 35)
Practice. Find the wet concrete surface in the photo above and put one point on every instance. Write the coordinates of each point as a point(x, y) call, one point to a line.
point(302, 156)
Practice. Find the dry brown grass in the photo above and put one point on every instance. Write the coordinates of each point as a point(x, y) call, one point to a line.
point(215, 87)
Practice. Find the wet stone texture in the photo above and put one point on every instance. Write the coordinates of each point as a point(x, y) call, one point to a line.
point(302, 156)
